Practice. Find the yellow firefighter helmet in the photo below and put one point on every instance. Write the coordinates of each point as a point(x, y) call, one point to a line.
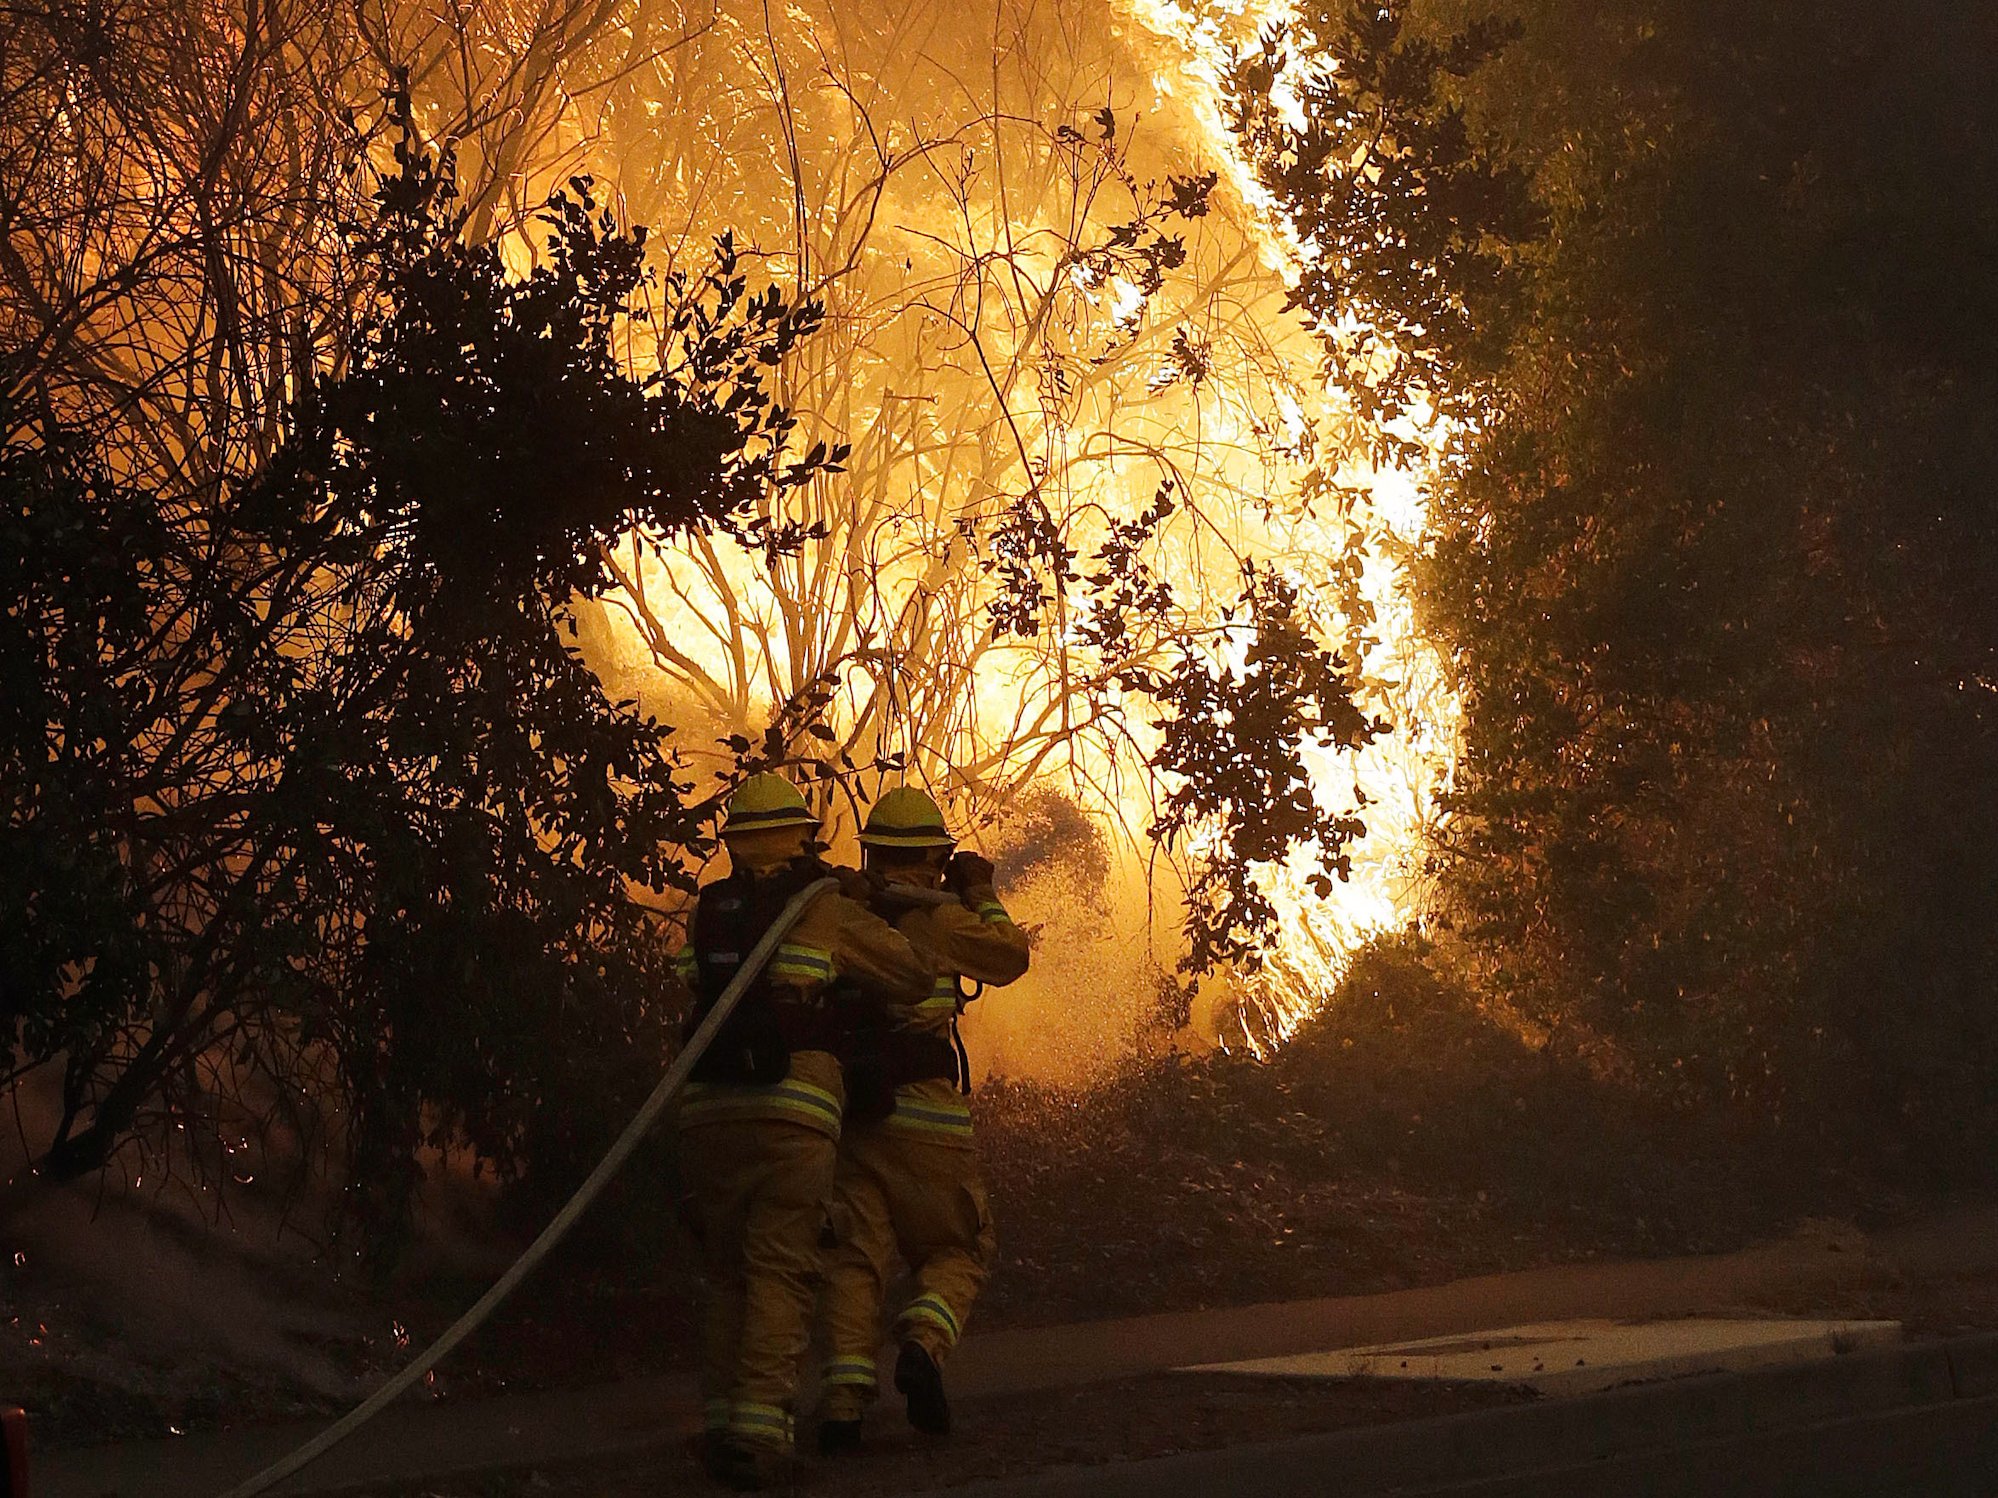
point(765, 801)
point(906, 818)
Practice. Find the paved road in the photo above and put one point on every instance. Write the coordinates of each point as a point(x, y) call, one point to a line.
point(1914, 1423)
point(1947, 1451)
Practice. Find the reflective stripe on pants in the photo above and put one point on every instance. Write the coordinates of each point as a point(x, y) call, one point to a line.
point(760, 1190)
point(904, 1195)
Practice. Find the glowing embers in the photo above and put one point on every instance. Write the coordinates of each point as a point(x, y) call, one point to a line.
point(1579, 1357)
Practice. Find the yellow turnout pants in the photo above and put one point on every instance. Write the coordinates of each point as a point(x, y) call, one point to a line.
point(906, 1194)
point(759, 1190)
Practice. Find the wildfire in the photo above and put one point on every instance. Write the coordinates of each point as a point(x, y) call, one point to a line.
point(994, 334)
point(1400, 779)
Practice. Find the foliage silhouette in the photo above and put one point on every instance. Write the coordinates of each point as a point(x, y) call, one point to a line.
point(1713, 546)
point(316, 822)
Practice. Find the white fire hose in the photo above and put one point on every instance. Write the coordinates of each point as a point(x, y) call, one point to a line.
point(613, 1161)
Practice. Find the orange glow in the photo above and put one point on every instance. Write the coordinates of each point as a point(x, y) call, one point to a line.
point(941, 180)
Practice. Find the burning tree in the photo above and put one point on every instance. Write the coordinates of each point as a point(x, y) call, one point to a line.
point(1040, 309)
point(1067, 511)
point(1086, 465)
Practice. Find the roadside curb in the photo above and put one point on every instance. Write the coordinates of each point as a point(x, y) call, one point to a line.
point(1464, 1451)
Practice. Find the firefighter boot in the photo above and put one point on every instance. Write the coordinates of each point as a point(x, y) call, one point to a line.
point(715, 1452)
point(752, 1467)
point(838, 1437)
point(920, 1383)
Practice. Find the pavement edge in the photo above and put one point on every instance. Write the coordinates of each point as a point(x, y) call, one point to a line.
point(1561, 1434)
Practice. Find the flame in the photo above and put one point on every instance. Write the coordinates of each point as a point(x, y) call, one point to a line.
point(1400, 780)
point(964, 360)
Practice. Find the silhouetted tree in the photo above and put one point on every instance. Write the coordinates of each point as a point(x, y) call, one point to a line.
point(315, 818)
point(1713, 542)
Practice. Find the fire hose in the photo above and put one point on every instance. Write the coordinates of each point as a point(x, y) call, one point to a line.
point(558, 1228)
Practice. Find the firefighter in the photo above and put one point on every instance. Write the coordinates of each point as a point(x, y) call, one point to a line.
point(910, 1183)
point(759, 1123)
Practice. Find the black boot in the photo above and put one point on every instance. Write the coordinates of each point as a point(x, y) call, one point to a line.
point(750, 1468)
point(921, 1384)
point(837, 1437)
point(714, 1449)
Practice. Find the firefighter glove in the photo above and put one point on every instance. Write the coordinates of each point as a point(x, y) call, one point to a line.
point(863, 888)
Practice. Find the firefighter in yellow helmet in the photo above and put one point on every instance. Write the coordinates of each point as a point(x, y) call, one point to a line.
point(910, 1184)
point(760, 1121)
